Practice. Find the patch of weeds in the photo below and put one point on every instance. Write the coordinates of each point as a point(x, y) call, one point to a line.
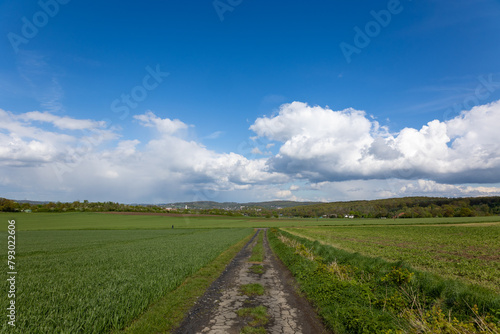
point(342, 272)
point(258, 314)
point(253, 330)
point(257, 269)
point(436, 321)
point(395, 303)
point(250, 290)
point(398, 276)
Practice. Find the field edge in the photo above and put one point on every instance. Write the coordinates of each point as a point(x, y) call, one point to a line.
point(167, 313)
point(338, 282)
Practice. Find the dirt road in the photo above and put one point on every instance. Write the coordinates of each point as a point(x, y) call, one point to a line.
point(282, 310)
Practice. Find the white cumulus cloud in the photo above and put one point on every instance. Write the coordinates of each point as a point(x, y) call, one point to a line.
point(332, 155)
point(165, 126)
point(61, 122)
point(319, 144)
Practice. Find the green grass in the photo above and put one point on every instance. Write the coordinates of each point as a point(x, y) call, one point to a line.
point(97, 281)
point(258, 250)
point(257, 269)
point(102, 221)
point(94, 272)
point(167, 313)
point(359, 294)
point(258, 314)
point(469, 253)
point(253, 289)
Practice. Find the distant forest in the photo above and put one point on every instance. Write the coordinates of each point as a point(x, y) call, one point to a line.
point(407, 207)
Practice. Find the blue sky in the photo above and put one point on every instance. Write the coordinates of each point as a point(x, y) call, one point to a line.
point(248, 100)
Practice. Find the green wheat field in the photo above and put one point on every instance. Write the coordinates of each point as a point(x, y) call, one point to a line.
point(94, 272)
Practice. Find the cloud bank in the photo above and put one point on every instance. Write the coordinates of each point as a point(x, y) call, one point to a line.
point(322, 154)
point(319, 144)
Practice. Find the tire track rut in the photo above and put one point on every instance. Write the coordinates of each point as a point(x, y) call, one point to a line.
point(216, 311)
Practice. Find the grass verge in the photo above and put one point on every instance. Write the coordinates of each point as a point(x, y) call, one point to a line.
point(467, 253)
point(167, 313)
point(258, 249)
point(359, 294)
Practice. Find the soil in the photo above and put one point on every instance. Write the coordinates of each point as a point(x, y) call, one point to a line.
point(288, 311)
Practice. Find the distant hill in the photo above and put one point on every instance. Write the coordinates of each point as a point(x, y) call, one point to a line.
point(199, 205)
point(406, 207)
point(205, 205)
point(280, 204)
point(31, 202)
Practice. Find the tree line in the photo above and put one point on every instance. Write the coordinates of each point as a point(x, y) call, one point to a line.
point(406, 207)
point(7, 205)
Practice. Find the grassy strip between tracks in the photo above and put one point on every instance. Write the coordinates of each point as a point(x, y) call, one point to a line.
point(258, 249)
point(168, 313)
point(359, 294)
